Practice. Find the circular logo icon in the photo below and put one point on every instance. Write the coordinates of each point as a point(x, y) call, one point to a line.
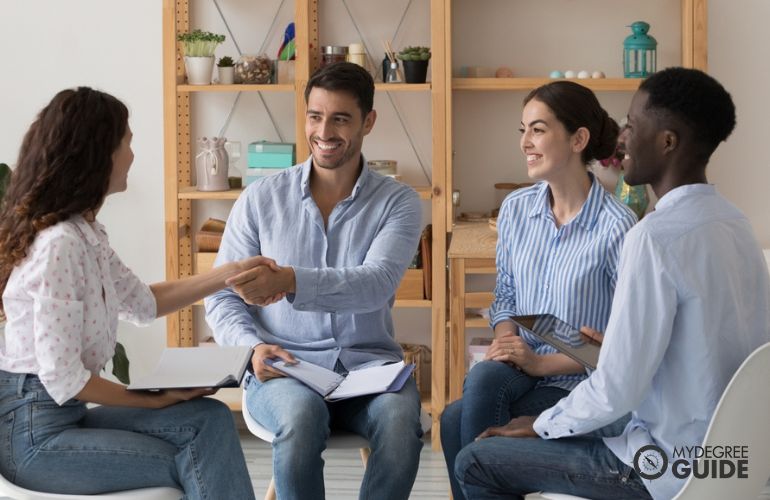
point(650, 462)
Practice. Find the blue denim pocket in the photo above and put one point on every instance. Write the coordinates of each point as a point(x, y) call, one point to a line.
point(7, 463)
point(48, 419)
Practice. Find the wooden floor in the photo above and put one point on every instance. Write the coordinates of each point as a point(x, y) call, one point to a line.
point(343, 471)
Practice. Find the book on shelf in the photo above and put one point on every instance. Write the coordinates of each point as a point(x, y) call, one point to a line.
point(334, 386)
point(196, 367)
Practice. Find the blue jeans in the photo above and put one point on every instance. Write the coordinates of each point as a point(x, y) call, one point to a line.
point(493, 394)
point(74, 450)
point(501, 467)
point(301, 421)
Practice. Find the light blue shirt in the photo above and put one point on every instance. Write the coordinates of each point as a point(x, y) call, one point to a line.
point(346, 273)
point(567, 271)
point(692, 302)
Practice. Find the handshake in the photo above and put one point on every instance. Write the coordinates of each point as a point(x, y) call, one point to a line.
point(260, 281)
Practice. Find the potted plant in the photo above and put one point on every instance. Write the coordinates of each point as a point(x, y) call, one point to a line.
point(199, 49)
point(226, 70)
point(415, 61)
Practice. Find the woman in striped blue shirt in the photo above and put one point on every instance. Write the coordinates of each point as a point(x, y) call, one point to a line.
point(557, 250)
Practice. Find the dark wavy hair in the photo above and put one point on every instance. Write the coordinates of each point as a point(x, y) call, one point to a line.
point(697, 100)
point(63, 169)
point(346, 77)
point(576, 106)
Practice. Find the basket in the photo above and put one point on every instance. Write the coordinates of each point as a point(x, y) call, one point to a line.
point(420, 355)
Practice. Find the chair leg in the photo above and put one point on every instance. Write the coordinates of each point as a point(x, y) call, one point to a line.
point(270, 494)
point(365, 452)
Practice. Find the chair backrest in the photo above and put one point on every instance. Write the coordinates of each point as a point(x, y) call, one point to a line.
point(740, 419)
point(8, 489)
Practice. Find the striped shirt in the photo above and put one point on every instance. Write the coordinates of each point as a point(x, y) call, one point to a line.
point(567, 271)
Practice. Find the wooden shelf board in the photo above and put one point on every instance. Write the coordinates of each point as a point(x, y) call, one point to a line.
point(270, 87)
point(190, 193)
point(596, 84)
point(402, 87)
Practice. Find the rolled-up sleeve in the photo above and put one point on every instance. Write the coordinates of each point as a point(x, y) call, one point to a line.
point(137, 302)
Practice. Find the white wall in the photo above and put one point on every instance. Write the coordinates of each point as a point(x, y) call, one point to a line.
point(115, 45)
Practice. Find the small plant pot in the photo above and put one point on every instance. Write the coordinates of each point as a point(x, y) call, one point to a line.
point(199, 70)
point(415, 71)
point(226, 75)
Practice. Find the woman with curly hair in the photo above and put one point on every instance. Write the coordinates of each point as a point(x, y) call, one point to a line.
point(63, 291)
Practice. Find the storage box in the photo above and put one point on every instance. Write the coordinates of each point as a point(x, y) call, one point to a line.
point(252, 174)
point(265, 154)
point(420, 355)
point(411, 287)
point(477, 350)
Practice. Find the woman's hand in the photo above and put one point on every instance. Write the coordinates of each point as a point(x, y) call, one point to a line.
point(173, 396)
point(515, 351)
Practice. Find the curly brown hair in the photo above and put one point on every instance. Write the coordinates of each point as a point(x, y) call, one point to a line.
point(63, 169)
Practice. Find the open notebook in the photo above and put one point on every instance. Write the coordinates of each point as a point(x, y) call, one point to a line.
point(333, 386)
point(192, 367)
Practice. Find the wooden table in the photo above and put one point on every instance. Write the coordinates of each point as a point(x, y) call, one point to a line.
point(472, 251)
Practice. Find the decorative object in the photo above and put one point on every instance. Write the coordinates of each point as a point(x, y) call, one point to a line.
point(556, 74)
point(209, 237)
point(199, 49)
point(252, 69)
point(504, 72)
point(415, 61)
point(570, 74)
point(392, 73)
point(211, 165)
point(234, 175)
point(597, 74)
point(583, 74)
point(634, 196)
point(226, 70)
point(284, 65)
point(383, 167)
point(333, 53)
point(357, 54)
point(639, 52)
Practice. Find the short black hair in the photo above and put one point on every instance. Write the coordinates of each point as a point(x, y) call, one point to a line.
point(576, 106)
point(697, 100)
point(347, 77)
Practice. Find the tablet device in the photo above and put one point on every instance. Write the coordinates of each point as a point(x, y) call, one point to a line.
point(564, 337)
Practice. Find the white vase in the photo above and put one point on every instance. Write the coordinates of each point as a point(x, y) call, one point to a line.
point(226, 75)
point(198, 69)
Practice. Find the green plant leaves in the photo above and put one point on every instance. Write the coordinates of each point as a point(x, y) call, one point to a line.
point(120, 364)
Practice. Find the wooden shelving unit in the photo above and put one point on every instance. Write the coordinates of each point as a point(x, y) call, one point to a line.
point(180, 194)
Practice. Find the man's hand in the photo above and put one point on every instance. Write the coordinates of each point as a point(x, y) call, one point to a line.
point(517, 427)
point(263, 371)
point(515, 351)
point(263, 284)
point(594, 335)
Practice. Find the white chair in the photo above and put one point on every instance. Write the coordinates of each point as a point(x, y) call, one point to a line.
point(740, 418)
point(9, 489)
point(339, 440)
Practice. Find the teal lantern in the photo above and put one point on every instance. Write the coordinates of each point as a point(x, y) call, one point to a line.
point(639, 52)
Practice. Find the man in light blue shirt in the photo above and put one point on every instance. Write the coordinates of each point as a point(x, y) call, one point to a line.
point(342, 238)
point(692, 302)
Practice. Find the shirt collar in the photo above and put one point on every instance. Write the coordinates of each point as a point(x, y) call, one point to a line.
point(363, 178)
point(588, 213)
point(680, 192)
point(92, 231)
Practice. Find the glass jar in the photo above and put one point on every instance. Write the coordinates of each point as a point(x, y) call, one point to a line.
point(253, 69)
point(332, 54)
point(357, 54)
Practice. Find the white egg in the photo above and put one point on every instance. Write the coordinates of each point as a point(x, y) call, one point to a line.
point(597, 74)
point(569, 74)
point(584, 74)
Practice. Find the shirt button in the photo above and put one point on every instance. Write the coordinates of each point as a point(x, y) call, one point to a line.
point(300, 306)
point(571, 431)
point(336, 348)
point(546, 433)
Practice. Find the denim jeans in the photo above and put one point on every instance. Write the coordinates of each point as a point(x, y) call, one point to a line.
point(74, 450)
point(501, 467)
point(301, 421)
point(493, 394)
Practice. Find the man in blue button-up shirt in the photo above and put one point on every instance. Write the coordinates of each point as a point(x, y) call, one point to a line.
point(341, 237)
point(692, 301)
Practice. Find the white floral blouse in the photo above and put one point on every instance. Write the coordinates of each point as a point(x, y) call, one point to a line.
point(63, 302)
